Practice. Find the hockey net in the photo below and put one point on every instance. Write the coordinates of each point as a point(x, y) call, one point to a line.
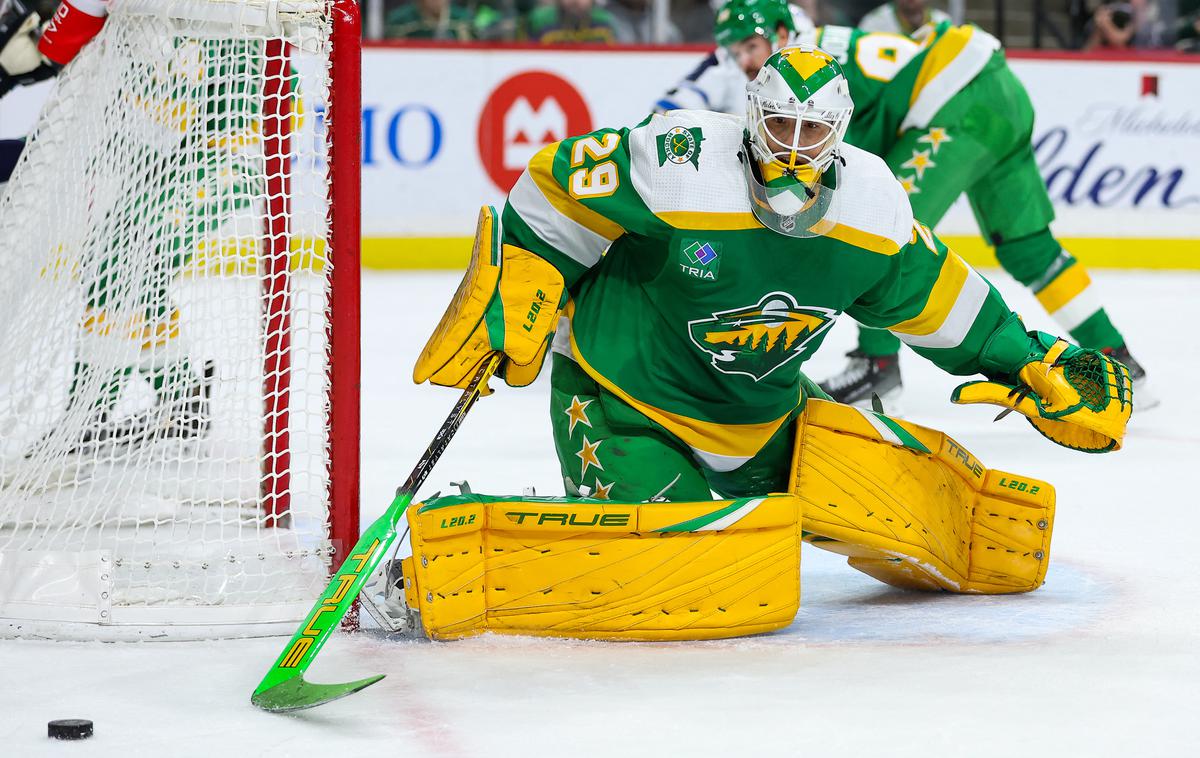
point(179, 326)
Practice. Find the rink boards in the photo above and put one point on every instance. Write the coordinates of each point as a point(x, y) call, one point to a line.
point(449, 128)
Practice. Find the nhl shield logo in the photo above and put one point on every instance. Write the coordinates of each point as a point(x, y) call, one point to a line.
point(757, 339)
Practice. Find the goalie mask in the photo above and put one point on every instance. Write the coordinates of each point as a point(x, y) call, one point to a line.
point(798, 109)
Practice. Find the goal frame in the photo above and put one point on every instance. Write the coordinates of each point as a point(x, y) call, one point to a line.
point(345, 295)
point(343, 142)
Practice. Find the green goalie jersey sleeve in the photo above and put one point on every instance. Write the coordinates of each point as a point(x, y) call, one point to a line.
point(574, 200)
point(946, 311)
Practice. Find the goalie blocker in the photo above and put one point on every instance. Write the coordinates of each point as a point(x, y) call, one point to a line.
point(908, 505)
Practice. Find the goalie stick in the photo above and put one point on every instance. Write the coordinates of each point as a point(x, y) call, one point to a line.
point(284, 688)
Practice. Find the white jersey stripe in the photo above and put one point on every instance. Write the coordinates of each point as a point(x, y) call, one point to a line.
point(950, 80)
point(559, 232)
point(958, 322)
point(719, 463)
point(1078, 309)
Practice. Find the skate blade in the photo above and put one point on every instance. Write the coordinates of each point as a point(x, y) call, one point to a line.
point(1144, 398)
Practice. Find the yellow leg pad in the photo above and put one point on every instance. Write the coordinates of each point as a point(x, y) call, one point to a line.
point(600, 570)
point(913, 508)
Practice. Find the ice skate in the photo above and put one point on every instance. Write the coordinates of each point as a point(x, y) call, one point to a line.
point(866, 376)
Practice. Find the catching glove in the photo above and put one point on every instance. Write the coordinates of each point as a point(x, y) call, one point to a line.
point(1081, 399)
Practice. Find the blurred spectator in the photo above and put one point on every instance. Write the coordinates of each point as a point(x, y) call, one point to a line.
point(429, 19)
point(571, 21)
point(1187, 28)
point(695, 18)
point(902, 17)
point(1117, 26)
point(500, 19)
point(835, 12)
point(632, 20)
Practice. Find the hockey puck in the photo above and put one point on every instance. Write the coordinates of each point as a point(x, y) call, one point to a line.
point(69, 729)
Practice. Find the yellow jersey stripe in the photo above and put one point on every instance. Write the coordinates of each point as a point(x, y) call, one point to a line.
point(875, 243)
point(699, 220)
point(942, 297)
point(945, 49)
point(731, 440)
point(541, 170)
point(958, 321)
point(1064, 288)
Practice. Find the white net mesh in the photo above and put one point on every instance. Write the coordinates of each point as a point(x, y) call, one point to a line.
point(163, 329)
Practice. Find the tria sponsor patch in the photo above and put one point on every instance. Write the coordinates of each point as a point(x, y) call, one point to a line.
point(700, 259)
point(757, 339)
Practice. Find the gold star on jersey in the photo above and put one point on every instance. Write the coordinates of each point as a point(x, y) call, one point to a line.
point(909, 184)
point(919, 161)
point(935, 138)
point(587, 454)
point(602, 490)
point(577, 413)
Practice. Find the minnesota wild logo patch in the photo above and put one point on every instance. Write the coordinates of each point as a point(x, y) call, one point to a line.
point(680, 145)
point(757, 339)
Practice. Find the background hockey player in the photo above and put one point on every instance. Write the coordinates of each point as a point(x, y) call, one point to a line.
point(719, 82)
point(907, 17)
point(174, 216)
point(700, 258)
point(992, 161)
point(21, 63)
point(950, 117)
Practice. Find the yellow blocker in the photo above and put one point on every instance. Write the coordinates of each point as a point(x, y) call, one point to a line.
point(508, 300)
point(599, 570)
point(912, 508)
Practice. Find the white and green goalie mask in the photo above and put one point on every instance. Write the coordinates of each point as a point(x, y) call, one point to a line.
point(798, 109)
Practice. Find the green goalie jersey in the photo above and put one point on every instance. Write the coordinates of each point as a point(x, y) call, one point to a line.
point(684, 306)
point(899, 84)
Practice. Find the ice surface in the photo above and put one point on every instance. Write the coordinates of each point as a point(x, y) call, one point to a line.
point(1104, 660)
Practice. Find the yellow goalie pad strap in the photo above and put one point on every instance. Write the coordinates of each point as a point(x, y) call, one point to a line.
point(913, 508)
point(508, 300)
point(600, 570)
point(1083, 402)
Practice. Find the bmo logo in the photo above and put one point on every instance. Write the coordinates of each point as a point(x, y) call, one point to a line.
point(526, 112)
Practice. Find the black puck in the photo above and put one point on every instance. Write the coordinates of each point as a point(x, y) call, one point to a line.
point(69, 729)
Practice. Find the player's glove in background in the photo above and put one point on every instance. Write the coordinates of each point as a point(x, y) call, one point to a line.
point(20, 61)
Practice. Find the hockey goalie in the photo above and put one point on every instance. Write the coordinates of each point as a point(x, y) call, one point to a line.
point(679, 273)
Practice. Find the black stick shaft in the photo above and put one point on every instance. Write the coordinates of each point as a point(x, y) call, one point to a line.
point(451, 424)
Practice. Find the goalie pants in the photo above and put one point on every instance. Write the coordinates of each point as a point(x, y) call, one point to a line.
point(980, 143)
point(610, 450)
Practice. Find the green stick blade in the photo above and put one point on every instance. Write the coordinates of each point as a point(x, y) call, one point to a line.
point(296, 694)
point(285, 678)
